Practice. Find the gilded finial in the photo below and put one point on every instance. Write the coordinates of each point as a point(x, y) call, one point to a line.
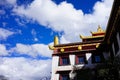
point(97, 45)
point(56, 41)
point(81, 36)
point(51, 47)
point(79, 47)
point(62, 50)
point(99, 29)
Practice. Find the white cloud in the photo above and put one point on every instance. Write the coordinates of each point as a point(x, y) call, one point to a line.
point(8, 3)
point(32, 50)
point(24, 69)
point(63, 40)
point(11, 1)
point(21, 68)
point(3, 50)
point(4, 33)
point(64, 17)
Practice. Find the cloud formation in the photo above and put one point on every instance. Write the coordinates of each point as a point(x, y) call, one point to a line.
point(64, 17)
point(3, 50)
point(19, 68)
point(24, 69)
point(33, 50)
point(4, 33)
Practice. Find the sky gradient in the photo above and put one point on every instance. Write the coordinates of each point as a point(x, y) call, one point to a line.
point(27, 27)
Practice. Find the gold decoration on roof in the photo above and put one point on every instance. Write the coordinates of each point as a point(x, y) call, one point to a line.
point(79, 47)
point(51, 47)
point(62, 50)
point(97, 45)
point(99, 30)
point(81, 36)
point(56, 40)
point(86, 37)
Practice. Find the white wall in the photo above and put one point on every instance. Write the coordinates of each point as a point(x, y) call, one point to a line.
point(88, 58)
point(72, 59)
point(55, 63)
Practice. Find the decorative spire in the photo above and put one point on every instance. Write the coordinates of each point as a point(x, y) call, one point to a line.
point(99, 29)
point(51, 47)
point(56, 40)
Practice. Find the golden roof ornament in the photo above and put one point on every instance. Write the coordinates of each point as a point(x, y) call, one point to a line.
point(79, 47)
point(56, 40)
point(99, 29)
point(51, 47)
point(62, 50)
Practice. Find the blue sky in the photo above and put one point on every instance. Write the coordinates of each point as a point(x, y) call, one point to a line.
point(27, 27)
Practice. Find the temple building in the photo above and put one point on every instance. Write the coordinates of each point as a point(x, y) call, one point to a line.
point(81, 55)
point(78, 61)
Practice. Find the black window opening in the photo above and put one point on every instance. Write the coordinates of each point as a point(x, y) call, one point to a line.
point(64, 61)
point(64, 77)
point(97, 58)
point(81, 60)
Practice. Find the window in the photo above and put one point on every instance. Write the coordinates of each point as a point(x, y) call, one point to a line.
point(97, 59)
point(64, 61)
point(80, 60)
point(64, 77)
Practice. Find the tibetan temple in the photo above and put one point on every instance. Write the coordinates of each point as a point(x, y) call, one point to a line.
point(78, 61)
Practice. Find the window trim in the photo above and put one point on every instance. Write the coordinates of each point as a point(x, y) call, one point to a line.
point(97, 58)
point(94, 60)
point(61, 59)
point(77, 59)
point(61, 76)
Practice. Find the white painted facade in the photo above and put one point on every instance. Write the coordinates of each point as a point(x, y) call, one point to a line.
point(72, 59)
point(55, 60)
point(56, 67)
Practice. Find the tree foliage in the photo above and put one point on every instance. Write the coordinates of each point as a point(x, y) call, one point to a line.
point(110, 70)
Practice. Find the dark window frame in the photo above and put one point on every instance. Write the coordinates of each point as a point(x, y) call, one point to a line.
point(94, 58)
point(78, 61)
point(62, 58)
point(63, 76)
point(97, 59)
